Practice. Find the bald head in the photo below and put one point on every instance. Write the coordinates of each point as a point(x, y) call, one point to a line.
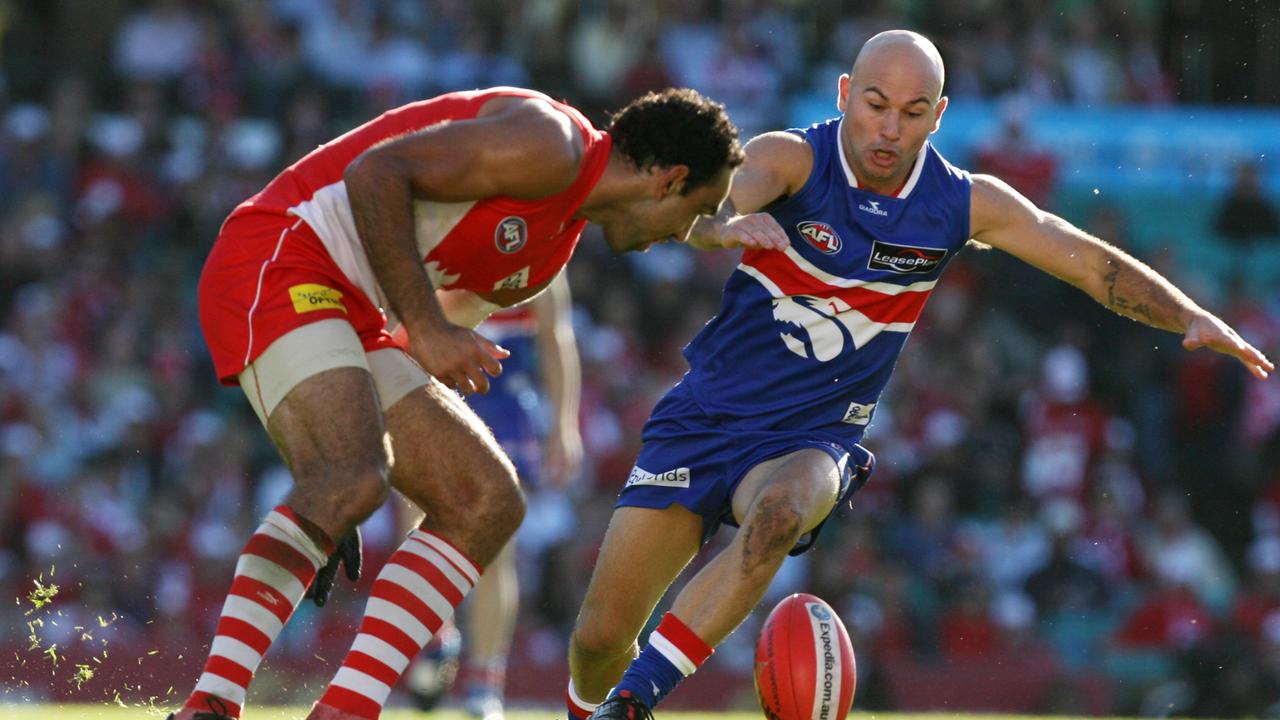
point(903, 54)
point(892, 101)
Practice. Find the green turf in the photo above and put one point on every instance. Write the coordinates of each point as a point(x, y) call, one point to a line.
point(114, 712)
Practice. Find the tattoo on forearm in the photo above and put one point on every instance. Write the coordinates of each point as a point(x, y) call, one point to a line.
point(1140, 309)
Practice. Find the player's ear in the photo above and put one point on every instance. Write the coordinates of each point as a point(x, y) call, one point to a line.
point(842, 92)
point(671, 180)
point(938, 109)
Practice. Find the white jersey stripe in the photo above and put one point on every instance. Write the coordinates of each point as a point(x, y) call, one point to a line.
point(861, 328)
point(328, 212)
point(761, 278)
point(839, 282)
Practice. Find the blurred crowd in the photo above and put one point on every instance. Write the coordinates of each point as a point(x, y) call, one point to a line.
point(1057, 486)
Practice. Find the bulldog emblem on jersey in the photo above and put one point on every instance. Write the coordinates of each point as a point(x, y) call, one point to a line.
point(511, 234)
point(820, 235)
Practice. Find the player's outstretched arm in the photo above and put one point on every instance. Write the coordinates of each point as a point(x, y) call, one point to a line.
point(777, 165)
point(516, 146)
point(1002, 218)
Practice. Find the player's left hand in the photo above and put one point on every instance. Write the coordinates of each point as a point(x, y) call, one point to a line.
point(1208, 331)
point(757, 230)
point(349, 554)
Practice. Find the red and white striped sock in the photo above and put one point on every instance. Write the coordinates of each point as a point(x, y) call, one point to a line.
point(579, 709)
point(416, 592)
point(273, 572)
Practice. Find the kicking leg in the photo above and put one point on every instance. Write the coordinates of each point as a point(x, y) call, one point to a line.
point(777, 502)
point(643, 552)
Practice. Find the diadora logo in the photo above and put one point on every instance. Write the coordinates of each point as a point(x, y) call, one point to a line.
point(511, 234)
point(873, 207)
point(820, 235)
point(671, 478)
point(904, 259)
point(859, 413)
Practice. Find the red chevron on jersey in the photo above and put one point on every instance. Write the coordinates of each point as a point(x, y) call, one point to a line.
point(881, 302)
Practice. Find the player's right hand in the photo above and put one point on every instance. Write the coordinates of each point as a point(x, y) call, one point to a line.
point(1209, 331)
point(458, 357)
point(757, 230)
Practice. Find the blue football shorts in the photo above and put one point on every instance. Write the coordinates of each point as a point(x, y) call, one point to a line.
point(691, 460)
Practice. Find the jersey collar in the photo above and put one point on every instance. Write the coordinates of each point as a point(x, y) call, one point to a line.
point(853, 179)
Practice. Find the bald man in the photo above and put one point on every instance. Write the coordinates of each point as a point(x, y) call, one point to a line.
point(863, 215)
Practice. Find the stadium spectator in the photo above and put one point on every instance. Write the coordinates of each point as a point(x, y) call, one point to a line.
point(1245, 216)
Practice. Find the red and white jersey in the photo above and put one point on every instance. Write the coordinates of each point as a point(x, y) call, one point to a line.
point(497, 243)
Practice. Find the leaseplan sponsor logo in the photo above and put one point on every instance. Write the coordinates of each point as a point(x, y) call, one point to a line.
point(671, 478)
point(820, 235)
point(904, 259)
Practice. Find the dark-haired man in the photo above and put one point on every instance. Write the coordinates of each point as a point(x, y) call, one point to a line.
point(480, 196)
point(869, 215)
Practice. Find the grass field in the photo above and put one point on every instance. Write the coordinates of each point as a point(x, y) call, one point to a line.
point(115, 712)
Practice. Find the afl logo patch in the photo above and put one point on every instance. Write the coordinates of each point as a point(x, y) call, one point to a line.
point(820, 235)
point(510, 234)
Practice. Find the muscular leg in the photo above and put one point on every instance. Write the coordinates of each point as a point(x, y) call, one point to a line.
point(643, 552)
point(776, 503)
point(448, 464)
point(328, 428)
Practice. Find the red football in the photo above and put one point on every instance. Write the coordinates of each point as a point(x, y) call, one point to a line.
point(805, 668)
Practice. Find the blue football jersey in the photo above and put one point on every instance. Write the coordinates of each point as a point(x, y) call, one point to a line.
point(807, 338)
point(514, 408)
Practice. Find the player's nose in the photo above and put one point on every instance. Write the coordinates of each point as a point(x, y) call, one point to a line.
point(890, 126)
